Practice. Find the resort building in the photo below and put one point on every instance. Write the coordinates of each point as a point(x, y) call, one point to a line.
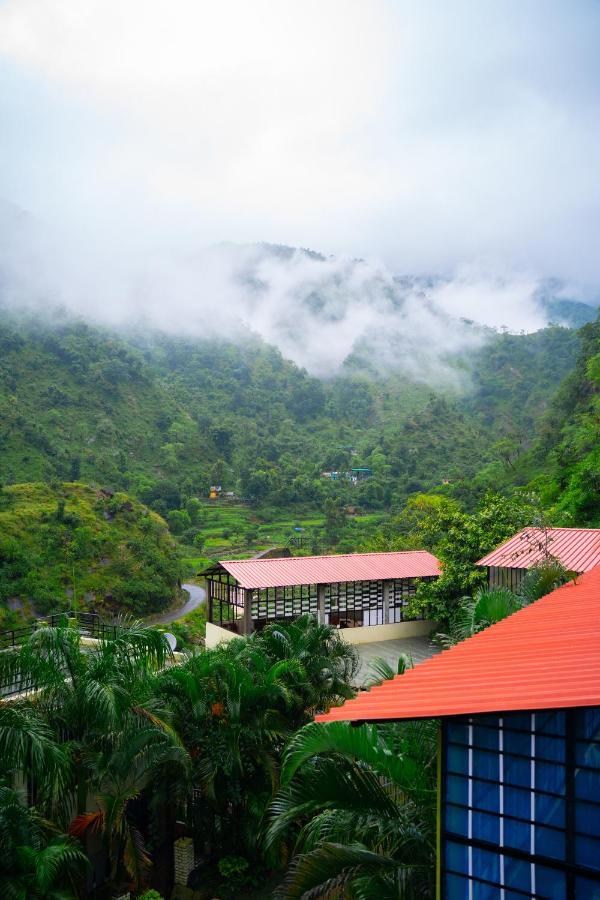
point(519, 792)
point(366, 593)
point(578, 549)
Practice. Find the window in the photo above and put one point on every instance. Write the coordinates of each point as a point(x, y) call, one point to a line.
point(521, 813)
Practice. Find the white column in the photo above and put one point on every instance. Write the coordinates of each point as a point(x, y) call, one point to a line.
point(321, 604)
point(387, 593)
point(248, 626)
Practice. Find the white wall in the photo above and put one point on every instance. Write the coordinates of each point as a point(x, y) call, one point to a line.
point(217, 635)
point(366, 634)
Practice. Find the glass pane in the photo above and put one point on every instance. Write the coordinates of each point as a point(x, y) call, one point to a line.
point(456, 857)
point(457, 731)
point(517, 771)
point(587, 784)
point(515, 742)
point(550, 748)
point(457, 888)
point(486, 865)
point(587, 852)
point(485, 764)
point(457, 819)
point(550, 777)
point(550, 883)
point(486, 827)
point(486, 796)
point(458, 759)
point(587, 818)
point(587, 753)
point(517, 802)
point(549, 842)
point(585, 887)
point(550, 810)
point(517, 834)
point(550, 722)
point(485, 737)
point(588, 723)
point(517, 874)
point(457, 789)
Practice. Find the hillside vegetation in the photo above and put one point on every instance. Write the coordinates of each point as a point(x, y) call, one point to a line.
point(73, 546)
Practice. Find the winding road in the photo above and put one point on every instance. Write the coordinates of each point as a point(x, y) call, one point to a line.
point(197, 596)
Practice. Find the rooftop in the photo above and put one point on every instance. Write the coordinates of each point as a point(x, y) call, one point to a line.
point(577, 548)
point(297, 570)
point(545, 656)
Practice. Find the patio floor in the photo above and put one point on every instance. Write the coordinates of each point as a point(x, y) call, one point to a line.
point(416, 648)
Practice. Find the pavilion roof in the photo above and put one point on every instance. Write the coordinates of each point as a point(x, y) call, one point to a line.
point(545, 656)
point(578, 549)
point(297, 570)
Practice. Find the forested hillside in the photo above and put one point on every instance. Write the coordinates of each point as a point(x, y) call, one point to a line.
point(72, 544)
point(163, 418)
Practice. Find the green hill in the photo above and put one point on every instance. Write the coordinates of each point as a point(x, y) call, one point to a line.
point(70, 545)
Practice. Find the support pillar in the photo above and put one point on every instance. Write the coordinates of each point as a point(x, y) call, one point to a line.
point(248, 625)
point(321, 604)
point(387, 592)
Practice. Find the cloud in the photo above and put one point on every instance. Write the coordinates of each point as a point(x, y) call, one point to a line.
point(424, 134)
point(454, 142)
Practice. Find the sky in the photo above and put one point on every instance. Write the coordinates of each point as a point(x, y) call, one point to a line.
point(458, 139)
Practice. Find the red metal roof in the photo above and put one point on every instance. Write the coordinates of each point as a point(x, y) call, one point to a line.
point(296, 570)
point(577, 548)
point(545, 656)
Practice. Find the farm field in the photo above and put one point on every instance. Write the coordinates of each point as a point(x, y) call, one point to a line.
point(239, 530)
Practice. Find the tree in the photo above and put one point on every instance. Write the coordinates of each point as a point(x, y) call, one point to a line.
point(84, 695)
point(357, 809)
point(36, 861)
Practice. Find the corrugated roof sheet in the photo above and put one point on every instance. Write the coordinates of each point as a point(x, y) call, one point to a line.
point(577, 548)
point(545, 656)
point(296, 570)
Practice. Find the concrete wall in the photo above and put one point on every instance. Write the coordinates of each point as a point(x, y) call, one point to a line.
point(217, 635)
point(366, 634)
point(362, 635)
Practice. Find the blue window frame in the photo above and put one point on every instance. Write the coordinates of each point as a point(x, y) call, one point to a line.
point(521, 805)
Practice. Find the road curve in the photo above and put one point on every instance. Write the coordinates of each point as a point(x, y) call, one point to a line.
point(197, 596)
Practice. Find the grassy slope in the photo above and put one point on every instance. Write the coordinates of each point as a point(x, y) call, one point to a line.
point(60, 541)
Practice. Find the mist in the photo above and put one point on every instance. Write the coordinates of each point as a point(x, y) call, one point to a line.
point(317, 310)
point(441, 161)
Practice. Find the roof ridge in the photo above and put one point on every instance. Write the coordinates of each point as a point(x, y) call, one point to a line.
point(280, 559)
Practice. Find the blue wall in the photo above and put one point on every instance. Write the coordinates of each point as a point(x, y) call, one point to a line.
point(521, 806)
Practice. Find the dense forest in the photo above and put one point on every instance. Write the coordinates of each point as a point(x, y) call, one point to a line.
point(163, 418)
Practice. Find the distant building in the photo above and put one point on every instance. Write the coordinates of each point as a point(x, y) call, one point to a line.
point(519, 706)
point(366, 593)
point(215, 492)
point(578, 549)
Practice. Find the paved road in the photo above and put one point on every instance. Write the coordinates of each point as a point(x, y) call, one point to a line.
point(197, 596)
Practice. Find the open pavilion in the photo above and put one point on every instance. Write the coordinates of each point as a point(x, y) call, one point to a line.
point(365, 593)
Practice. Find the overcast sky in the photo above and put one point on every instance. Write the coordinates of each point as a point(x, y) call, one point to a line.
point(426, 135)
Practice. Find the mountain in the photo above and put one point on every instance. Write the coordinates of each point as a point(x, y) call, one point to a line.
point(164, 417)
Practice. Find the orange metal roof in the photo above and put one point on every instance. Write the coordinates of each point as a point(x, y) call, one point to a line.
point(296, 570)
point(577, 548)
point(545, 656)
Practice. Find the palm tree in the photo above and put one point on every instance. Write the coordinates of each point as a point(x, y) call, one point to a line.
point(361, 804)
point(473, 614)
point(328, 663)
point(147, 759)
point(84, 693)
point(230, 710)
point(36, 861)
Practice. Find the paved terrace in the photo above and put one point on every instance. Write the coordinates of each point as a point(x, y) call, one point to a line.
point(416, 648)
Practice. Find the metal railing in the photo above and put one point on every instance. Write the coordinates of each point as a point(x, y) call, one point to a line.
point(88, 625)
